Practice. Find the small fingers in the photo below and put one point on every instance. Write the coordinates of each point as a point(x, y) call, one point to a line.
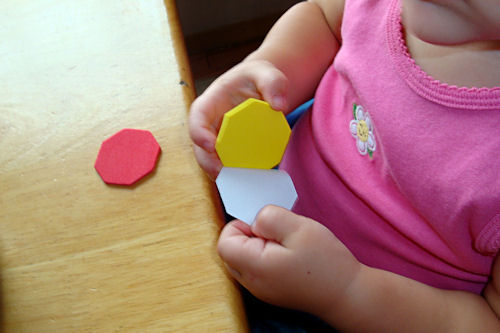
point(259, 79)
point(244, 252)
point(240, 227)
point(208, 161)
point(201, 130)
point(273, 86)
point(276, 223)
point(236, 246)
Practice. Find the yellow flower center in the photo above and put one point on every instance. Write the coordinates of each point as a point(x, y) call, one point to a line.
point(362, 130)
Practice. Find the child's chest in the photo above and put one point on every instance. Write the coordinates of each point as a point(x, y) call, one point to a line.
point(474, 65)
point(445, 161)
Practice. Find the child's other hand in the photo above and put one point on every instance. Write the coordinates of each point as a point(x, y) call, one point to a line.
point(255, 78)
point(289, 260)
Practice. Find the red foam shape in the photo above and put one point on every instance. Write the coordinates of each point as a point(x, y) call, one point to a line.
point(127, 156)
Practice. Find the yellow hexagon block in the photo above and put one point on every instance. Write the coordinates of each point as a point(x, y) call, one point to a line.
point(252, 135)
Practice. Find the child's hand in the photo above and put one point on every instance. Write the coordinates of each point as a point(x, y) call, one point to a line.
point(289, 260)
point(255, 78)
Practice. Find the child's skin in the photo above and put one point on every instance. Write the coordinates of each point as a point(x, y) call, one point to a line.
point(292, 261)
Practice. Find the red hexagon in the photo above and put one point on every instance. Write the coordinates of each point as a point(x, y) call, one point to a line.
point(127, 156)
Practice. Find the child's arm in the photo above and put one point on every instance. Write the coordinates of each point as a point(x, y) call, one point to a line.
point(381, 301)
point(284, 71)
point(295, 262)
point(302, 44)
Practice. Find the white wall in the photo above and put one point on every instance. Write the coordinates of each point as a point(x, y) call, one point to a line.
point(204, 15)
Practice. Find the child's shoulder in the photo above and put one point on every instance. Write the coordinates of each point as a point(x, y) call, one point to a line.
point(333, 10)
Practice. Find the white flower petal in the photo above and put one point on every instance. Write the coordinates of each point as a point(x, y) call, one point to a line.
point(360, 113)
point(371, 142)
point(362, 147)
point(368, 121)
point(353, 126)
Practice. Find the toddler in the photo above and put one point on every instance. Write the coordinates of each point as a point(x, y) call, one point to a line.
point(397, 224)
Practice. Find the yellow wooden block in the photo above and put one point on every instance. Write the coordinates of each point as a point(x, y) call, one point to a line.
point(252, 135)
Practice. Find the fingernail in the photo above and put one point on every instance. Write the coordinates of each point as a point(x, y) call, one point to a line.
point(233, 272)
point(208, 146)
point(278, 102)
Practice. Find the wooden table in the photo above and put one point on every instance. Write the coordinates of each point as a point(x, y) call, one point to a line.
point(78, 255)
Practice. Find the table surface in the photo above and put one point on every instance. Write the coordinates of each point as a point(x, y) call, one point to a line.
point(77, 255)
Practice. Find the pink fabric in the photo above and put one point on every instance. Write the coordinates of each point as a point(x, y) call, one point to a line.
point(418, 193)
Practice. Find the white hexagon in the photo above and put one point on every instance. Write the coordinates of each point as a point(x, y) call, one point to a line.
point(245, 192)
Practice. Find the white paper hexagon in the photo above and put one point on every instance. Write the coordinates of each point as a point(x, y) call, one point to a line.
point(245, 192)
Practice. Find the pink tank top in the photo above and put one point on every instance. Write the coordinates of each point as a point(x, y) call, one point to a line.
point(402, 168)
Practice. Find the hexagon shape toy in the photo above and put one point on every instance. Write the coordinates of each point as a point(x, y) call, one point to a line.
point(252, 135)
point(127, 156)
point(245, 192)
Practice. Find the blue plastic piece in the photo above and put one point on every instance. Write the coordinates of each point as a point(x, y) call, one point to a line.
point(293, 116)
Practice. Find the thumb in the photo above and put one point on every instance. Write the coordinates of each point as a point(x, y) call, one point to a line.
point(276, 223)
point(272, 84)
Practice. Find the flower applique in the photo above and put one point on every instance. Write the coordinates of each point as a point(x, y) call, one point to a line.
point(361, 128)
